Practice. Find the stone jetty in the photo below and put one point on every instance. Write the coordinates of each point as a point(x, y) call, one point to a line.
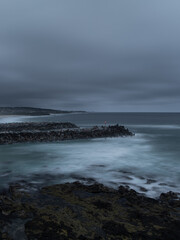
point(54, 132)
point(35, 126)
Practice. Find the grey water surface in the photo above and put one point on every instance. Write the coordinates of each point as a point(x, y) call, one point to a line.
point(148, 162)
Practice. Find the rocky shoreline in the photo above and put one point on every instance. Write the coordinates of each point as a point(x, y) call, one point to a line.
point(77, 211)
point(53, 132)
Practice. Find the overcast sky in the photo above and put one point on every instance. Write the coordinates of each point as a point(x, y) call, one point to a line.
point(97, 55)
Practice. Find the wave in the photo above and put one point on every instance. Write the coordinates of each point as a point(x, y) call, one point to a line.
point(154, 126)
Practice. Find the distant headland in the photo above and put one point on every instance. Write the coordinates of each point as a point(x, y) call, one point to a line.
point(31, 111)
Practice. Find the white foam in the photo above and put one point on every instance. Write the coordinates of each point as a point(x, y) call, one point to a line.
point(162, 126)
point(12, 119)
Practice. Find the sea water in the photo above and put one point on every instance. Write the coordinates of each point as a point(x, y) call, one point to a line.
point(148, 162)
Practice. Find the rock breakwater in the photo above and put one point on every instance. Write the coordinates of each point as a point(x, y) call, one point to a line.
point(35, 126)
point(30, 132)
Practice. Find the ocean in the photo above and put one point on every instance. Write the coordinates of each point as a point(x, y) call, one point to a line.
point(148, 162)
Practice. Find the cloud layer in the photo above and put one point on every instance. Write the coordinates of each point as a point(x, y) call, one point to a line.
point(95, 55)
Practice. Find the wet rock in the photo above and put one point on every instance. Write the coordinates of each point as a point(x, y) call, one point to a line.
point(43, 229)
point(115, 229)
point(5, 236)
point(97, 165)
point(103, 205)
point(140, 177)
point(142, 189)
point(149, 181)
point(168, 196)
point(127, 177)
point(163, 184)
point(77, 211)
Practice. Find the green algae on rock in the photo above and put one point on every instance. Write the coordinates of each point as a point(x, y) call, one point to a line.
point(77, 211)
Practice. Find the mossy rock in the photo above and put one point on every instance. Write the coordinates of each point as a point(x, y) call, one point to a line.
point(76, 211)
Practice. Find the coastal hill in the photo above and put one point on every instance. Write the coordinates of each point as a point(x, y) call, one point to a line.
point(29, 111)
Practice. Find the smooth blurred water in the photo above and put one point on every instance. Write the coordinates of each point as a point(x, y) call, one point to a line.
point(153, 153)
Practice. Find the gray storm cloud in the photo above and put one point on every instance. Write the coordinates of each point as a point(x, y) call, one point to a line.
point(92, 55)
